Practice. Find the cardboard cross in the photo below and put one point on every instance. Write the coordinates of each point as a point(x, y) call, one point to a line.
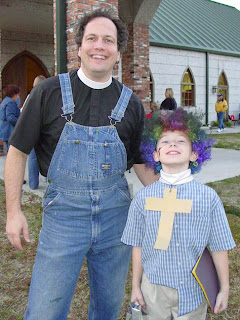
point(168, 205)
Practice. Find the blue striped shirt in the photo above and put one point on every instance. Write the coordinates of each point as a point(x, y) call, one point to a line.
point(206, 225)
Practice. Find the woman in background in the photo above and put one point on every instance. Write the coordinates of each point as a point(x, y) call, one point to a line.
point(9, 112)
point(153, 107)
point(169, 103)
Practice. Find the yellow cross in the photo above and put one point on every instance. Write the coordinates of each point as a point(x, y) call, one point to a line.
point(168, 205)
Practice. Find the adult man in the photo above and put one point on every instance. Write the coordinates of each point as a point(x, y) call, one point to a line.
point(84, 145)
point(220, 107)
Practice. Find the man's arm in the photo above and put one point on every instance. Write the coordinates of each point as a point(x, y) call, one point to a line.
point(225, 105)
point(13, 178)
point(137, 271)
point(220, 259)
point(145, 175)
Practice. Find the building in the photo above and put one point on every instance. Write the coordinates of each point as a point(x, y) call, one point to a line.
point(191, 46)
point(195, 49)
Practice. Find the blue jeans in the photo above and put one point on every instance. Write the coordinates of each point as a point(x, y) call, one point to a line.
point(75, 226)
point(33, 171)
point(220, 116)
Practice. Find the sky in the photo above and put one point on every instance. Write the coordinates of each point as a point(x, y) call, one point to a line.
point(233, 3)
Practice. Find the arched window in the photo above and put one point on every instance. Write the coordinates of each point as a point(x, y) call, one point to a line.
point(188, 89)
point(223, 85)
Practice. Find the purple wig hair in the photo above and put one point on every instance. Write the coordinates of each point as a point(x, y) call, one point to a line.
point(180, 120)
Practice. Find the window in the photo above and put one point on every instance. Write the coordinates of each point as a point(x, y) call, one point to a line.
point(188, 89)
point(222, 80)
point(223, 85)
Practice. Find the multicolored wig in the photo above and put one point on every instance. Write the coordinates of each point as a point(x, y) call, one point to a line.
point(180, 120)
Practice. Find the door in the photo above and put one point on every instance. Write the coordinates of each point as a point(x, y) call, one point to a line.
point(21, 71)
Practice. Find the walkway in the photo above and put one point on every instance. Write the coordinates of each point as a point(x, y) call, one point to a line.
point(225, 164)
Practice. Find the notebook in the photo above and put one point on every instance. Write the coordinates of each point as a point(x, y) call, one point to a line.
point(206, 275)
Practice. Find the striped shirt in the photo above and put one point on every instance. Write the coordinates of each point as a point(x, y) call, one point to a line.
point(205, 225)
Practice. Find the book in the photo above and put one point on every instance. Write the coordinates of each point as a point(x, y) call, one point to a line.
point(206, 275)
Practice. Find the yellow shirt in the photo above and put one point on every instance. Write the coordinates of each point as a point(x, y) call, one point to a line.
point(221, 106)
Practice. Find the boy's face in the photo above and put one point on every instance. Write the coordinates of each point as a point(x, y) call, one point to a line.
point(99, 50)
point(174, 151)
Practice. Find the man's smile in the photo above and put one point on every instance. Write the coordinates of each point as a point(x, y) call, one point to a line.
point(97, 56)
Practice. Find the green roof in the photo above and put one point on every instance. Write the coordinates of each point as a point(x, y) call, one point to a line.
point(199, 25)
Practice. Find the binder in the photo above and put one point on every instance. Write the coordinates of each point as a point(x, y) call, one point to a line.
point(206, 275)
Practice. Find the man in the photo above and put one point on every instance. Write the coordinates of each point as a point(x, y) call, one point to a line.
point(86, 130)
point(220, 107)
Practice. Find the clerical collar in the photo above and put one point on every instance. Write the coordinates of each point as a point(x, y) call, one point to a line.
point(176, 178)
point(93, 84)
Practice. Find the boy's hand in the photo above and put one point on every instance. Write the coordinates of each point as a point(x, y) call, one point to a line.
point(221, 302)
point(137, 296)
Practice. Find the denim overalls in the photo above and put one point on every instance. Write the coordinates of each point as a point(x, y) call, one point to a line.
point(85, 211)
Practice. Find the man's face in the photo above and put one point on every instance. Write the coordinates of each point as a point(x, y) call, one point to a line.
point(174, 151)
point(99, 50)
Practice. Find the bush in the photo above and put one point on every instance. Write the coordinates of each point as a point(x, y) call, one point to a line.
point(226, 123)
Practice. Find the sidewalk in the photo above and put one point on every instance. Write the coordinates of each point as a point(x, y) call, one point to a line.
point(225, 164)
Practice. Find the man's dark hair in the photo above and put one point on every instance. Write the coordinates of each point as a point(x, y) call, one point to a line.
point(122, 33)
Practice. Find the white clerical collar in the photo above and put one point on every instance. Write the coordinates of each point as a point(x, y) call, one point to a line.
point(93, 84)
point(176, 178)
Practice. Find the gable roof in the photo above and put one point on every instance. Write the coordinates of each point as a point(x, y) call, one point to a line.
point(199, 25)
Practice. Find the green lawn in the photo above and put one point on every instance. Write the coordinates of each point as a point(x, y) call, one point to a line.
point(227, 141)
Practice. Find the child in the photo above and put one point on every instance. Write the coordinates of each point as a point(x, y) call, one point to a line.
point(171, 221)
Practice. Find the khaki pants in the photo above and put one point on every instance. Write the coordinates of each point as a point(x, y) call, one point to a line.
point(162, 303)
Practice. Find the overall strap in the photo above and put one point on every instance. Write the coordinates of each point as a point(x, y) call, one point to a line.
point(67, 97)
point(121, 106)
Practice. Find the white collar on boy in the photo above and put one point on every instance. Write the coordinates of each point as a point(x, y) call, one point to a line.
point(93, 84)
point(176, 178)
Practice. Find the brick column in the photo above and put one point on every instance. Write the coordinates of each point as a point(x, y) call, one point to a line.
point(135, 62)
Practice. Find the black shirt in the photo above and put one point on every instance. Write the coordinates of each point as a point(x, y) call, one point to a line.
point(40, 124)
point(168, 104)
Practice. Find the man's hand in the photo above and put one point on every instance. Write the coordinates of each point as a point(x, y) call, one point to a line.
point(17, 225)
point(13, 178)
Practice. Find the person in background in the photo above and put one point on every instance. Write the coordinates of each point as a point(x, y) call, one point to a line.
point(86, 128)
point(153, 107)
point(33, 169)
point(9, 112)
point(220, 106)
point(167, 244)
point(169, 103)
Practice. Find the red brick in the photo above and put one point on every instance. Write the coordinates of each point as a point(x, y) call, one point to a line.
point(92, 2)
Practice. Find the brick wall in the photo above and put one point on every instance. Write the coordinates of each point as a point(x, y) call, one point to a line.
point(135, 62)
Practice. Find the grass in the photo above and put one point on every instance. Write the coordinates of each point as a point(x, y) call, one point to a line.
point(16, 267)
point(227, 140)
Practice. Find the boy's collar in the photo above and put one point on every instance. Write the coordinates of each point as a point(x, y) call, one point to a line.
point(176, 178)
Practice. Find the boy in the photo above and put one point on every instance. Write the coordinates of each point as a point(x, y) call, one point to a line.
point(171, 221)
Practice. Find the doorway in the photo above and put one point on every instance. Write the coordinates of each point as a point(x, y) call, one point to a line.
point(21, 70)
point(223, 89)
